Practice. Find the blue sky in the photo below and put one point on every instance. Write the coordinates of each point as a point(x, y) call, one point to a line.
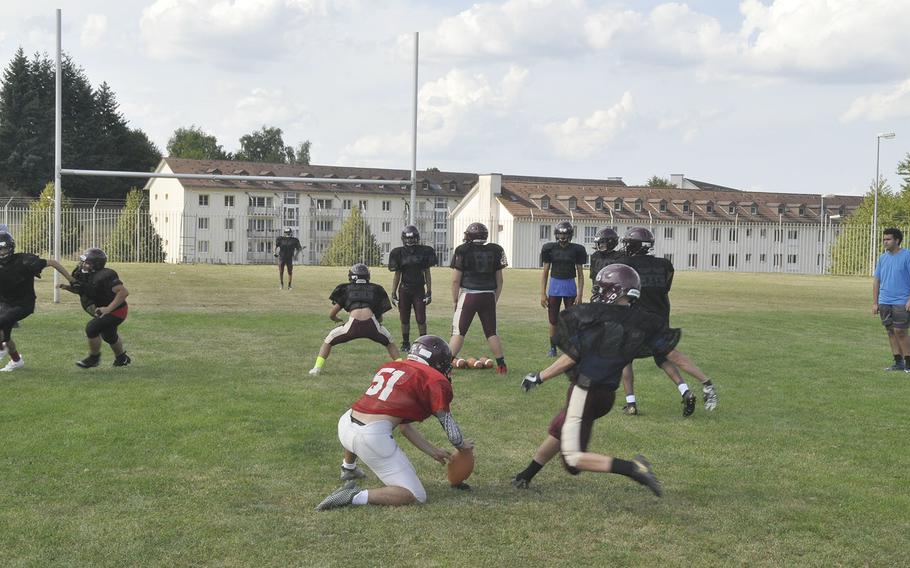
point(773, 95)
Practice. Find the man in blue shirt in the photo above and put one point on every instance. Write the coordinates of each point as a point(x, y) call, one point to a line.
point(891, 296)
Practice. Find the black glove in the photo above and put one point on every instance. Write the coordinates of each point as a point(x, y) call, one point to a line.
point(427, 299)
point(530, 381)
point(276, 255)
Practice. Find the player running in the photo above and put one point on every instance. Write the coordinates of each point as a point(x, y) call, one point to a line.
point(365, 303)
point(402, 392)
point(563, 278)
point(411, 264)
point(286, 249)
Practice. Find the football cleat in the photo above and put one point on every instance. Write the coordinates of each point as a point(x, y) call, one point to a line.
point(710, 397)
point(462, 487)
point(341, 497)
point(351, 474)
point(688, 400)
point(89, 362)
point(13, 365)
point(644, 474)
point(122, 360)
point(551, 352)
point(520, 482)
point(896, 367)
point(502, 369)
point(290, 287)
point(315, 371)
point(631, 409)
point(405, 347)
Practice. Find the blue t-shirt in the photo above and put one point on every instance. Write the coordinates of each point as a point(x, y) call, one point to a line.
point(893, 273)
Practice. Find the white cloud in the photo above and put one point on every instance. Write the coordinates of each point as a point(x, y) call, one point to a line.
point(884, 105)
point(267, 107)
point(579, 138)
point(93, 30)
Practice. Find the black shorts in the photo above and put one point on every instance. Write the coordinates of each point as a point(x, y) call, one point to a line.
point(10, 315)
point(286, 262)
point(408, 298)
point(105, 326)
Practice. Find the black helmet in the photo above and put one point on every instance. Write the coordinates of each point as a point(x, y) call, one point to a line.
point(410, 236)
point(92, 260)
point(564, 231)
point(638, 240)
point(606, 239)
point(359, 273)
point(7, 247)
point(615, 281)
point(476, 232)
point(433, 351)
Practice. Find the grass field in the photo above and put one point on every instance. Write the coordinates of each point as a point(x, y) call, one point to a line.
point(213, 448)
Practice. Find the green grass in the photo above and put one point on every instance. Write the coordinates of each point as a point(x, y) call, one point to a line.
point(213, 448)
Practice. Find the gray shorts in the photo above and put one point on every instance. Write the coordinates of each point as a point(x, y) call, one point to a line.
point(894, 315)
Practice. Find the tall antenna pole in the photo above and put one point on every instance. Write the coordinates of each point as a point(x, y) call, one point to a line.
point(414, 133)
point(58, 153)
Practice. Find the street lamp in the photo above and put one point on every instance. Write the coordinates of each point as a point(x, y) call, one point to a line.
point(822, 213)
point(876, 187)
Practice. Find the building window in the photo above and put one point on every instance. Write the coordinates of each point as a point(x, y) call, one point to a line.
point(203, 246)
point(617, 205)
point(545, 232)
point(731, 260)
point(545, 203)
point(638, 206)
point(228, 246)
point(777, 235)
point(165, 197)
point(386, 205)
point(762, 257)
point(203, 200)
point(260, 201)
point(668, 232)
point(693, 234)
point(781, 209)
point(440, 220)
point(791, 259)
point(386, 226)
point(715, 234)
point(590, 234)
point(731, 209)
point(441, 203)
point(748, 233)
point(663, 206)
point(709, 207)
point(669, 256)
point(777, 259)
point(802, 210)
point(346, 204)
point(323, 204)
point(748, 257)
point(573, 203)
point(754, 209)
point(792, 234)
point(203, 223)
point(685, 207)
point(732, 235)
point(362, 204)
point(386, 248)
point(229, 224)
point(764, 233)
point(599, 204)
point(228, 200)
point(324, 225)
point(291, 198)
point(693, 260)
point(715, 260)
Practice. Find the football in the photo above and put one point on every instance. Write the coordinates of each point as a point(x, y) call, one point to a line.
point(480, 363)
point(489, 363)
point(460, 363)
point(472, 363)
point(460, 466)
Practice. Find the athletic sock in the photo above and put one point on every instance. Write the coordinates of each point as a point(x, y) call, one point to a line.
point(500, 360)
point(907, 362)
point(361, 498)
point(530, 471)
point(898, 359)
point(14, 355)
point(707, 383)
point(552, 343)
point(683, 387)
point(623, 467)
point(348, 466)
point(406, 337)
point(630, 399)
point(320, 362)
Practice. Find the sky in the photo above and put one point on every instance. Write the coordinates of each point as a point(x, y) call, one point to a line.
point(763, 95)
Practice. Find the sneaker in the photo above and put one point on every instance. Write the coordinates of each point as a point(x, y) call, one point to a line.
point(896, 367)
point(122, 360)
point(631, 409)
point(644, 474)
point(520, 482)
point(315, 371)
point(13, 365)
point(89, 362)
point(341, 497)
point(405, 347)
point(688, 400)
point(281, 287)
point(551, 352)
point(351, 474)
point(502, 369)
point(290, 287)
point(463, 487)
point(710, 397)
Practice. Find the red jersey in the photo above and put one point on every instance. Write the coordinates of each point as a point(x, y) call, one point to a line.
point(408, 390)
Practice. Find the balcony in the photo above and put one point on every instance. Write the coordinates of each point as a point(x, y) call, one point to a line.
point(264, 211)
point(260, 257)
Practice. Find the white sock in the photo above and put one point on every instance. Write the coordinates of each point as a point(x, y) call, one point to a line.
point(683, 388)
point(630, 399)
point(347, 465)
point(361, 498)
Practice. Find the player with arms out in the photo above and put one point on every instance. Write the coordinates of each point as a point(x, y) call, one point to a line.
point(598, 340)
point(563, 278)
point(476, 285)
point(402, 392)
point(286, 249)
point(412, 285)
point(605, 253)
point(365, 303)
point(18, 271)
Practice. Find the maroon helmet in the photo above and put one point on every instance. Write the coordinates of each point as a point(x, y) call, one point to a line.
point(615, 281)
point(638, 240)
point(433, 351)
point(564, 231)
point(606, 239)
point(476, 232)
point(410, 236)
point(359, 273)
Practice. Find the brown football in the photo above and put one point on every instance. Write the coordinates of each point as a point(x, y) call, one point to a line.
point(489, 363)
point(460, 363)
point(472, 363)
point(460, 467)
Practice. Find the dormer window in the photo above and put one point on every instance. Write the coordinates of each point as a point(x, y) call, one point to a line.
point(573, 203)
point(213, 171)
point(685, 206)
point(544, 202)
point(802, 210)
point(453, 186)
point(599, 204)
point(731, 209)
point(638, 205)
point(754, 209)
point(841, 210)
point(663, 206)
point(709, 207)
point(617, 205)
point(781, 209)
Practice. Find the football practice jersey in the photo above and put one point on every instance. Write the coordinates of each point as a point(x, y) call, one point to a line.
point(287, 246)
point(17, 279)
point(96, 288)
point(604, 338)
point(411, 261)
point(479, 264)
point(351, 296)
point(602, 258)
point(656, 280)
point(562, 259)
point(408, 390)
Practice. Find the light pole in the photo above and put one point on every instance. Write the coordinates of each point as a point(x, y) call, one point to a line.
point(822, 214)
point(876, 187)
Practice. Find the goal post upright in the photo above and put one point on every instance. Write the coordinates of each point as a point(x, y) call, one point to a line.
point(58, 152)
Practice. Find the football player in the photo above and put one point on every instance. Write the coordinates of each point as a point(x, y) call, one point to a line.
point(605, 252)
point(476, 285)
point(402, 392)
point(657, 278)
point(18, 271)
point(597, 341)
point(286, 249)
point(365, 303)
point(411, 264)
point(103, 296)
point(563, 278)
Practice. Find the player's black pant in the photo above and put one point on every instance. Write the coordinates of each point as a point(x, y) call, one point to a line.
point(105, 326)
point(9, 315)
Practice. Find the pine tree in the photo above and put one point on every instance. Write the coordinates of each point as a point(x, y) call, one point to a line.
point(37, 233)
point(16, 132)
point(352, 244)
point(134, 238)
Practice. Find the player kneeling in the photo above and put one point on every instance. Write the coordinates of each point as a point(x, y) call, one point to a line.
point(402, 392)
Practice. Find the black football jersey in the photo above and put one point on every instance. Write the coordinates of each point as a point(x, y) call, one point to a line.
point(562, 259)
point(96, 288)
point(17, 279)
point(604, 338)
point(351, 296)
point(602, 258)
point(411, 261)
point(287, 246)
point(656, 280)
point(479, 264)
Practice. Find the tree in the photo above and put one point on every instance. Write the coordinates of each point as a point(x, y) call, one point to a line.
point(656, 181)
point(134, 238)
point(352, 244)
point(16, 136)
point(195, 144)
point(267, 145)
point(37, 232)
point(303, 153)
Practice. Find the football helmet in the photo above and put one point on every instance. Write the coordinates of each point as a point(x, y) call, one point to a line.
point(638, 240)
point(433, 351)
point(410, 236)
point(359, 273)
point(564, 231)
point(476, 232)
point(92, 260)
point(606, 240)
point(615, 281)
point(7, 247)
point(288, 232)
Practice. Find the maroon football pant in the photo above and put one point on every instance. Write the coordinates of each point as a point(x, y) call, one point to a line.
point(483, 305)
point(553, 306)
point(572, 426)
point(408, 299)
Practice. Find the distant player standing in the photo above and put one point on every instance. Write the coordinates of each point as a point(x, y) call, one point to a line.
point(563, 278)
point(365, 303)
point(402, 392)
point(891, 296)
point(412, 284)
point(286, 249)
point(476, 285)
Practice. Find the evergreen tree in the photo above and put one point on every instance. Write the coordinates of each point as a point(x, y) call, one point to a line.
point(37, 232)
point(15, 131)
point(134, 238)
point(354, 243)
